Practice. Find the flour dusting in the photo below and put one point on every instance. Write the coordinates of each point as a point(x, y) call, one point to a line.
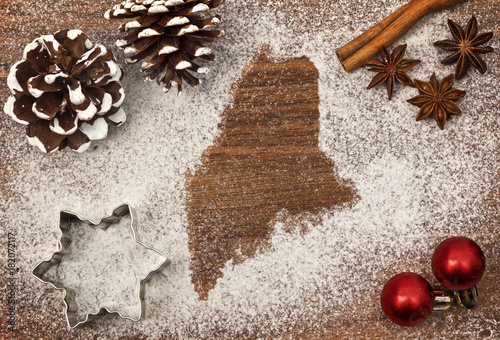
point(417, 184)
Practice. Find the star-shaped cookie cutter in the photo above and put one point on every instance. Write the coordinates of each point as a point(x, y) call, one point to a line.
point(66, 220)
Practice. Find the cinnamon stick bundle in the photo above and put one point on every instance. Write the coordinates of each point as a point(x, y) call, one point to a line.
point(388, 31)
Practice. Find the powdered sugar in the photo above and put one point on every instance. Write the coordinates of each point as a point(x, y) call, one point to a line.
point(417, 184)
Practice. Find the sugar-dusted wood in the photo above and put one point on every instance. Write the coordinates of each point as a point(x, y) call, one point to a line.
point(265, 161)
point(22, 20)
point(388, 31)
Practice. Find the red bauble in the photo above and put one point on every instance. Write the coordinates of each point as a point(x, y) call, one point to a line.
point(458, 263)
point(407, 299)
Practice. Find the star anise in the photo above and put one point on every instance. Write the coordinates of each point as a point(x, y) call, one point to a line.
point(437, 98)
point(466, 47)
point(391, 67)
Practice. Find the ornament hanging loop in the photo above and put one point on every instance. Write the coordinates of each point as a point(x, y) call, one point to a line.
point(442, 300)
point(466, 298)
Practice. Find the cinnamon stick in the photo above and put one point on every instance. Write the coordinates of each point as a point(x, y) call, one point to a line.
point(351, 47)
point(388, 31)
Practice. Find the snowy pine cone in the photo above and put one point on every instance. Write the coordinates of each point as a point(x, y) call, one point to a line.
point(66, 91)
point(168, 36)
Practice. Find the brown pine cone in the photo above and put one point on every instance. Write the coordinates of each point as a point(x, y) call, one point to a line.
point(66, 91)
point(168, 35)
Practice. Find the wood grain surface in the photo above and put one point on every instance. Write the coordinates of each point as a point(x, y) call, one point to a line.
point(270, 134)
point(22, 21)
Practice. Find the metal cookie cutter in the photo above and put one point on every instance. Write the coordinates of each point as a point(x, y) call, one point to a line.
point(77, 268)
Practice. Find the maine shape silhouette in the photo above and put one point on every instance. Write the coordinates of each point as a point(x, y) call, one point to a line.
point(264, 164)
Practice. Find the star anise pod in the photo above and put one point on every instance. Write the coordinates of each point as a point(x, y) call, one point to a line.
point(438, 99)
point(466, 47)
point(391, 67)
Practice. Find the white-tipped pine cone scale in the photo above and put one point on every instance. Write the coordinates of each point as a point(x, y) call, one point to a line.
point(66, 91)
point(167, 36)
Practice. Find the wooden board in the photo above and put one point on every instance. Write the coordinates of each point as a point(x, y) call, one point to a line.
point(22, 21)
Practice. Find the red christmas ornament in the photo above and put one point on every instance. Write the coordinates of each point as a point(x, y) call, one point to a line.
point(407, 299)
point(458, 263)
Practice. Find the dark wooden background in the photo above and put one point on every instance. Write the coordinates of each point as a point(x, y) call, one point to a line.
point(23, 21)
